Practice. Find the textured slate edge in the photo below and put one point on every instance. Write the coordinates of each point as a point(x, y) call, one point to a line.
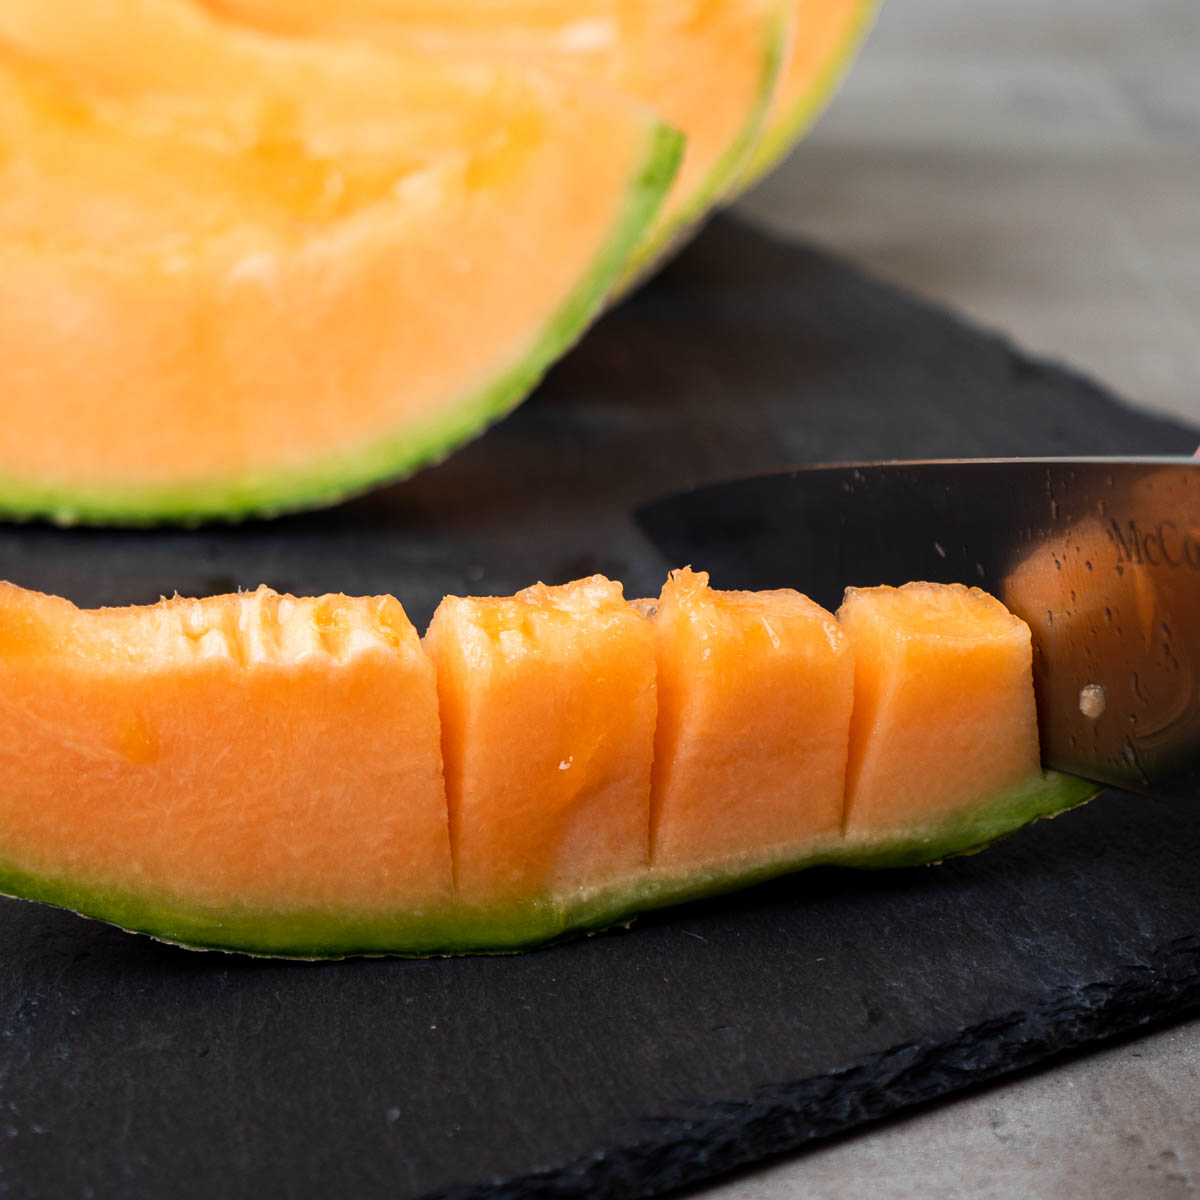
point(723, 1135)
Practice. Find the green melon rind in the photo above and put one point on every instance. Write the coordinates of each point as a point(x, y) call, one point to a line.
point(1043, 796)
point(455, 929)
point(662, 238)
point(311, 485)
point(781, 137)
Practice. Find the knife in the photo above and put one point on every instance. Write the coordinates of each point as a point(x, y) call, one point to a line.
point(1100, 557)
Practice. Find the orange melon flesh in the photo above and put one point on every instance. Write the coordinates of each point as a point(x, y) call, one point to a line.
point(709, 67)
point(827, 34)
point(547, 704)
point(265, 773)
point(251, 768)
point(944, 711)
point(244, 273)
point(755, 691)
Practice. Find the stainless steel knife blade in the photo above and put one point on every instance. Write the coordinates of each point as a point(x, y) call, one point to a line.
point(1100, 556)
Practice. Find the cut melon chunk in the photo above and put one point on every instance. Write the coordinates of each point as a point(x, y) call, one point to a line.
point(827, 35)
point(709, 67)
point(755, 691)
point(251, 771)
point(944, 715)
point(548, 706)
point(245, 273)
point(262, 773)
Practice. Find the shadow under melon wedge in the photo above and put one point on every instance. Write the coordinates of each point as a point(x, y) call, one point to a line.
point(709, 67)
point(265, 774)
point(243, 274)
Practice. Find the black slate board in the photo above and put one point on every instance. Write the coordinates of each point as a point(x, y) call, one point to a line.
point(704, 1037)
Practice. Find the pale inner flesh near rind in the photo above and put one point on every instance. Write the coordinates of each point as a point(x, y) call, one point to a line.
point(263, 773)
point(266, 273)
point(709, 67)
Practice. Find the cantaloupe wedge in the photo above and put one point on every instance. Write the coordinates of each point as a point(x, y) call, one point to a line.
point(265, 774)
point(709, 67)
point(827, 35)
point(245, 273)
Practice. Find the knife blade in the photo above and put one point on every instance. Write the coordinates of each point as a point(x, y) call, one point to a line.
point(1100, 556)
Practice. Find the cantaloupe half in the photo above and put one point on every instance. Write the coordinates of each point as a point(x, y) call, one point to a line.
point(265, 774)
point(709, 67)
point(827, 35)
point(244, 273)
